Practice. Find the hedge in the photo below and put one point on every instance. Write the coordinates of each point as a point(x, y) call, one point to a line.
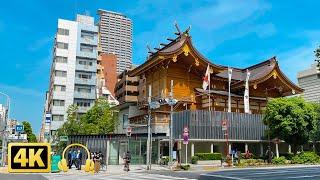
point(209, 156)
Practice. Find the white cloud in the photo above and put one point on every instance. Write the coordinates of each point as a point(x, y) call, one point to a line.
point(214, 23)
point(12, 90)
point(38, 44)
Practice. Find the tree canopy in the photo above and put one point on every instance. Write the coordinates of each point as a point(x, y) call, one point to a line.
point(100, 119)
point(291, 119)
point(28, 130)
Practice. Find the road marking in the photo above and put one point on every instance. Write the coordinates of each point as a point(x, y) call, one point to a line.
point(226, 177)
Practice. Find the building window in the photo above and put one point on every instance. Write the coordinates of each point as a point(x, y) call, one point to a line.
point(86, 48)
point(57, 102)
point(125, 121)
point(82, 89)
point(62, 31)
point(83, 103)
point(84, 76)
point(53, 132)
point(57, 118)
point(85, 62)
point(87, 34)
point(59, 88)
point(60, 59)
point(60, 73)
point(61, 45)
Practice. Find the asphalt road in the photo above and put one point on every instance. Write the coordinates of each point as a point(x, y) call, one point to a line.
point(293, 173)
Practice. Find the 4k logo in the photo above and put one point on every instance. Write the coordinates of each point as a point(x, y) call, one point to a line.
point(29, 157)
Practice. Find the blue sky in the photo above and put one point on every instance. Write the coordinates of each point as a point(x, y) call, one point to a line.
point(236, 33)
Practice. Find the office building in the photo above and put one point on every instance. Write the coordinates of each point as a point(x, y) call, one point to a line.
point(309, 80)
point(73, 70)
point(115, 37)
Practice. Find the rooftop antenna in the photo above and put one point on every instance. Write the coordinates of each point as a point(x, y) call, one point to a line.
point(177, 27)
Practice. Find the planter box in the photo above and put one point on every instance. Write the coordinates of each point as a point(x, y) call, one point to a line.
point(210, 162)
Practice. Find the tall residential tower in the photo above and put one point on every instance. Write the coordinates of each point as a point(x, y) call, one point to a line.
point(73, 70)
point(115, 37)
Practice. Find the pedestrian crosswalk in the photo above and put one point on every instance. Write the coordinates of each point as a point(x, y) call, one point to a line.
point(123, 176)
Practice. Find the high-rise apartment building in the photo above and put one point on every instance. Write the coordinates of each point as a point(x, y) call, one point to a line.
point(73, 70)
point(115, 37)
point(309, 80)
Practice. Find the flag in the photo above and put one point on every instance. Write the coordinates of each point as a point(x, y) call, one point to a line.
point(206, 79)
point(229, 94)
point(246, 94)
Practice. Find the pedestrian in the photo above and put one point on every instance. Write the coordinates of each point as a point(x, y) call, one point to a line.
point(70, 159)
point(79, 160)
point(127, 159)
point(73, 158)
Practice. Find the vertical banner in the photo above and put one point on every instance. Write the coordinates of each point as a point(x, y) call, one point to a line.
point(229, 93)
point(246, 94)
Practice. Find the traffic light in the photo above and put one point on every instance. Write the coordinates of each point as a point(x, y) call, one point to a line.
point(318, 65)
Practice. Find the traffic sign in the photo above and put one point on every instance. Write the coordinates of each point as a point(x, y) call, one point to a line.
point(185, 135)
point(48, 117)
point(129, 130)
point(224, 125)
point(19, 128)
point(29, 157)
point(63, 138)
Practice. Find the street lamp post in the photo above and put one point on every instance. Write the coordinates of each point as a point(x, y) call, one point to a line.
point(4, 137)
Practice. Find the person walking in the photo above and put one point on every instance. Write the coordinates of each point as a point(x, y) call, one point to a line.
point(69, 159)
point(127, 159)
point(79, 159)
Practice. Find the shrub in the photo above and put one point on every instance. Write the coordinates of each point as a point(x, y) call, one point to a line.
point(185, 167)
point(288, 156)
point(194, 159)
point(279, 160)
point(306, 158)
point(209, 156)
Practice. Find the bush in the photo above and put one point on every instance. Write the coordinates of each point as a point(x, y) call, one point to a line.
point(288, 156)
point(306, 158)
point(251, 162)
point(209, 156)
point(185, 167)
point(194, 159)
point(279, 160)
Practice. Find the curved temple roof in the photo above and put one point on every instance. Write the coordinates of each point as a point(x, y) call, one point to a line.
point(183, 44)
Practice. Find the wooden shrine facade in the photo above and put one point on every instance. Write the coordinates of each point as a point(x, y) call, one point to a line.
point(181, 62)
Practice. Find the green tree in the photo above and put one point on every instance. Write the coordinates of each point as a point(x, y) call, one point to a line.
point(316, 134)
point(317, 55)
point(100, 119)
point(290, 119)
point(28, 130)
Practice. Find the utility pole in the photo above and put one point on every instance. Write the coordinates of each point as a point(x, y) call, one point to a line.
point(149, 130)
point(4, 137)
point(171, 118)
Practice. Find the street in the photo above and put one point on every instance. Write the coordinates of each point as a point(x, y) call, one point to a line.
point(265, 173)
point(273, 173)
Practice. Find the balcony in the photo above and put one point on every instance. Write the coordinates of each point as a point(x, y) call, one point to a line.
point(88, 68)
point(127, 88)
point(82, 95)
point(91, 81)
point(128, 99)
point(89, 41)
point(92, 55)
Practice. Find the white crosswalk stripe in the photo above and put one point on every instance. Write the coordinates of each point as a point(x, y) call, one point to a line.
point(127, 176)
